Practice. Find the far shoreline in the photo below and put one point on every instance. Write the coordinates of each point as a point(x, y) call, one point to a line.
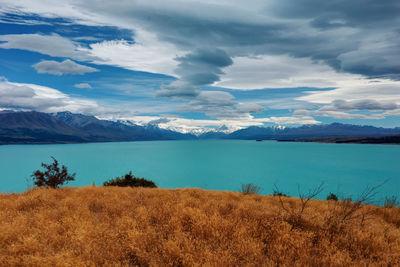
point(330, 140)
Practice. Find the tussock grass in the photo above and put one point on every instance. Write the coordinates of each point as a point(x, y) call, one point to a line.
point(93, 226)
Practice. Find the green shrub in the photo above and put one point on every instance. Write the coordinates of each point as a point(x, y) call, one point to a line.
point(130, 180)
point(332, 196)
point(53, 176)
point(250, 189)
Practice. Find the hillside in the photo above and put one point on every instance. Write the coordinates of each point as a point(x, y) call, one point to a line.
point(94, 226)
point(36, 127)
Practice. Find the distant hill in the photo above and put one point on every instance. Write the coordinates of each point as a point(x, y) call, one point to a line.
point(308, 131)
point(387, 139)
point(66, 127)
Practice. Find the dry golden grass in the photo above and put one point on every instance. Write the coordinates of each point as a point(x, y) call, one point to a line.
point(93, 226)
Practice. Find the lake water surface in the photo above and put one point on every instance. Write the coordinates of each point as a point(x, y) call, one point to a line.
point(215, 164)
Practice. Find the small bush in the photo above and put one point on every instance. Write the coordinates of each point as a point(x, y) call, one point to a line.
point(332, 196)
point(250, 189)
point(130, 180)
point(278, 193)
point(390, 202)
point(53, 176)
point(295, 215)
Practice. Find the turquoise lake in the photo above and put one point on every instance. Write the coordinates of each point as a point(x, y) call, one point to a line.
point(345, 169)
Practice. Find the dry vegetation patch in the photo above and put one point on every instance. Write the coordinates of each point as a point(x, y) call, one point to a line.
point(94, 226)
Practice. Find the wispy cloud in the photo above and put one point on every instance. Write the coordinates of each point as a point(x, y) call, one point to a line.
point(83, 85)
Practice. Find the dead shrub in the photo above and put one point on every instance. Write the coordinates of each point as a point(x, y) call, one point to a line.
point(250, 189)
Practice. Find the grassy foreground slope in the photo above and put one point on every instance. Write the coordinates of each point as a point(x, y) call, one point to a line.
point(94, 226)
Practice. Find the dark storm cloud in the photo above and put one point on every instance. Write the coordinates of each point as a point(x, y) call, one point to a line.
point(187, 30)
point(360, 13)
point(335, 32)
point(207, 57)
point(203, 66)
point(199, 68)
point(178, 89)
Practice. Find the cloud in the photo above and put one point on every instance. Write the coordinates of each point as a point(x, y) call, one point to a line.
point(199, 126)
point(342, 109)
point(83, 85)
point(147, 53)
point(301, 29)
point(202, 66)
point(291, 120)
point(53, 45)
point(281, 71)
point(198, 68)
point(356, 13)
point(250, 108)
point(179, 90)
point(221, 105)
point(156, 122)
point(320, 33)
point(365, 104)
point(59, 68)
point(381, 90)
point(22, 96)
point(378, 56)
point(345, 115)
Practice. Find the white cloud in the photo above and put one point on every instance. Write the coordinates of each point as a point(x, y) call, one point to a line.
point(53, 45)
point(382, 90)
point(21, 96)
point(83, 85)
point(59, 68)
point(281, 71)
point(221, 105)
point(342, 109)
point(147, 54)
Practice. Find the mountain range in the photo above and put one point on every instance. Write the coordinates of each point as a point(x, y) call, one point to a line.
point(65, 127)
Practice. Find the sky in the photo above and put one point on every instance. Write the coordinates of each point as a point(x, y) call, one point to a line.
point(195, 66)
